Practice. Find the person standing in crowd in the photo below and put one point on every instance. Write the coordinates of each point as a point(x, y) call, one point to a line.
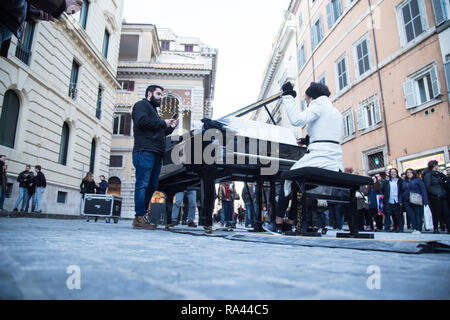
point(374, 191)
point(435, 184)
point(392, 189)
point(414, 208)
point(226, 193)
point(150, 133)
point(192, 200)
point(102, 186)
point(22, 189)
point(31, 192)
point(362, 206)
point(3, 181)
point(41, 184)
point(249, 198)
point(87, 185)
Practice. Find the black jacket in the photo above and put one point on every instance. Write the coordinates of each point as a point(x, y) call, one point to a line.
point(30, 182)
point(21, 180)
point(435, 183)
point(149, 130)
point(387, 190)
point(39, 180)
point(87, 186)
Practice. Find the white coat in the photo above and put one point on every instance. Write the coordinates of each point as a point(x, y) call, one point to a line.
point(324, 122)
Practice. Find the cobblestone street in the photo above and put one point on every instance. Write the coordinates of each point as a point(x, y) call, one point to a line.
point(38, 258)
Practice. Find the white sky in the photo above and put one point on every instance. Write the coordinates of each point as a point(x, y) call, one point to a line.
point(242, 30)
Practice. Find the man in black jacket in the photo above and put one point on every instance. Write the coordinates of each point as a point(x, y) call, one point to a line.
point(149, 147)
point(392, 200)
point(40, 183)
point(23, 193)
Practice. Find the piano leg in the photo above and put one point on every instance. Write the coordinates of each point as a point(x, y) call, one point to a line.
point(169, 204)
point(273, 213)
point(258, 223)
point(207, 201)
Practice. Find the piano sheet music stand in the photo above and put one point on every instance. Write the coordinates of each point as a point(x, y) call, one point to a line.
point(308, 177)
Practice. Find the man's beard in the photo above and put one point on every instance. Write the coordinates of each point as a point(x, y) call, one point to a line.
point(155, 102)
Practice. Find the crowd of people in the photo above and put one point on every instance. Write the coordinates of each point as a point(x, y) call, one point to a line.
point(394, 203)
point(32, 185)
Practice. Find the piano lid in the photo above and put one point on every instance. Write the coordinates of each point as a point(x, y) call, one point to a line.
point(254, 129)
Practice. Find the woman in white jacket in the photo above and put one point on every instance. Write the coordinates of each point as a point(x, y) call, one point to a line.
point(324, 128)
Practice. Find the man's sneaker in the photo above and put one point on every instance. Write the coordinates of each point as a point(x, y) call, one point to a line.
point(416, 232)
point(139, 223)
point(15, 209)
point(192, 224)
point(173, 223)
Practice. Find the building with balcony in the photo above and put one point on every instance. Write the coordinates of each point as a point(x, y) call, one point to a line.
point(387, 66)
point(57, 94)
point(183, 66)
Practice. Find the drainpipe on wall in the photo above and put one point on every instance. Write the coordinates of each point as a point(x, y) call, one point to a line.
point(379, 81)
point(312, 51)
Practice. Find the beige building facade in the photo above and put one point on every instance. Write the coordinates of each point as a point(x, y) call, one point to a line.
point(57, 95)
point(183, 66)
point(387, 68)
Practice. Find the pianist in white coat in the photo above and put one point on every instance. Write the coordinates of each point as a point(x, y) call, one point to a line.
point(324, 128)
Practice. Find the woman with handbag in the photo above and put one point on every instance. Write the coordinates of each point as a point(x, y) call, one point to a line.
point(414, 199)
point(435, 184)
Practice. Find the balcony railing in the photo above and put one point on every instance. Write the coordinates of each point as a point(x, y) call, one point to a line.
point(73, 90)
point(23, 53)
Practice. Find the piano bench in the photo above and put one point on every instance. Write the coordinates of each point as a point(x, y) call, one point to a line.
point(308, 178)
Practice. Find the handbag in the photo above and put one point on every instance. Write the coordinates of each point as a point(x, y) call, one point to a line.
point(415, 198)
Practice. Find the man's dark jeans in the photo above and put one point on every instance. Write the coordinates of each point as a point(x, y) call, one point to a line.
point(148, 168)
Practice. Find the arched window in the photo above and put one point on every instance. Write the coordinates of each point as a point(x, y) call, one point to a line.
point(64, 146)
point(92, 159)
point(8, 119)
point(114, 186)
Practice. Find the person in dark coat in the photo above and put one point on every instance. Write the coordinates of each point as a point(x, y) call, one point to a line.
point(374, 191)
point(31, 192)
point(149, 147)
point(3, 182)
point(412, 183)
point(87, 185)
point(102, 186)
point(435, 184)
point(392, 191)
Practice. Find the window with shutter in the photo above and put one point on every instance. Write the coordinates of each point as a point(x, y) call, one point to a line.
point(441, 11)
point(447, 76)
point(410, 95)
point(360, 118)
point(377, 110)
point(330, 14)
point(435, 82)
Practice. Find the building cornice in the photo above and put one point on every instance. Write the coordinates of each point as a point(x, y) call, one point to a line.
point(82, 40)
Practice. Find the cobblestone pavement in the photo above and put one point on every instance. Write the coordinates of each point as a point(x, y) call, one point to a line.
point(45, 258)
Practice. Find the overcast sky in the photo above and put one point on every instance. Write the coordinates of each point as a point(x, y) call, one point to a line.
point(242, 30)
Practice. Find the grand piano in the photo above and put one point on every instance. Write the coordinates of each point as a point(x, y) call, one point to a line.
point(235, 149)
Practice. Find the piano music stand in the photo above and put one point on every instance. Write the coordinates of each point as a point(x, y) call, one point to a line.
point(308, 177)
